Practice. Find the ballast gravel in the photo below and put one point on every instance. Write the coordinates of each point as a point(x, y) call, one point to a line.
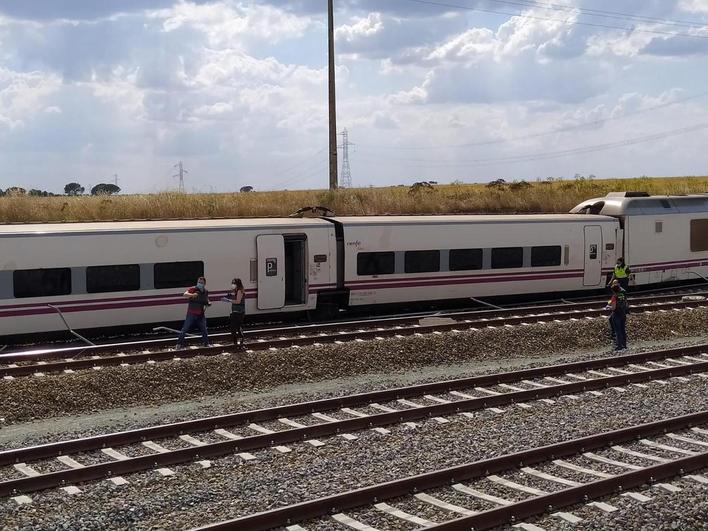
point(233, 487)
point(29, 398)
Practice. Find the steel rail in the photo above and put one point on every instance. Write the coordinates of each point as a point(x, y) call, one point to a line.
point(75, 364)
point(25, 355)
point(329, 404)
point(597, 489)
point(479, 469)
point(99, 471)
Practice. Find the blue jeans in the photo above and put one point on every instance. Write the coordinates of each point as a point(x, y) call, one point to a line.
point(619, 322)
point(190, 322)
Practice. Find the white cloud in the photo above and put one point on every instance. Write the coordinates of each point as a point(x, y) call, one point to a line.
point(694, 6)
point(236, 89)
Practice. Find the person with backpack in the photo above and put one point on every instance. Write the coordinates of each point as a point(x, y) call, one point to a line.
point(197, 302)
point(618, 318)
point(238, 310)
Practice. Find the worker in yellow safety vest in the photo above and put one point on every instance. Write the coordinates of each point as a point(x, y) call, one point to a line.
point(621, 273)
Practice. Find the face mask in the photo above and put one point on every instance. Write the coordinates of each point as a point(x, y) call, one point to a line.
point(233, 286)
point(200, 285)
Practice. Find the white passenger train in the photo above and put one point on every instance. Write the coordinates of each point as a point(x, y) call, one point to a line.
point(111, 274)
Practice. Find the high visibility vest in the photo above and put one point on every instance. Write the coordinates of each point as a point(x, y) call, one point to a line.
point(621, 271)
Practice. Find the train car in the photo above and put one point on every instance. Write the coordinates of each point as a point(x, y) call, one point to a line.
point(662, 238)
point(102, 275)
point(404, 259)
point(116, 274)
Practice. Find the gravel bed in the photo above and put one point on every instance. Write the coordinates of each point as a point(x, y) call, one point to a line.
point(235, 487)
point(119, 419)
point(144, 384)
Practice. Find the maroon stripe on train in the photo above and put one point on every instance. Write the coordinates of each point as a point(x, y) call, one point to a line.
point(44, 310)
point(474, 280)
point(158, 296)
point(499, 273)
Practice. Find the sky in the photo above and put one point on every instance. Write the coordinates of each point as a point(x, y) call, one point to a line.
point(443, 90)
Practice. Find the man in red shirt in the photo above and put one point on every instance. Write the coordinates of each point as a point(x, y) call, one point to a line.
point(198, 300)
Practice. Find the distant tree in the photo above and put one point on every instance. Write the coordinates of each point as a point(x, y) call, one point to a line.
point(246, 189)
point(105, 189)
point(15, 190)
point(498, 183)
point(36, 193)
point(74, 189)
point(1, 192)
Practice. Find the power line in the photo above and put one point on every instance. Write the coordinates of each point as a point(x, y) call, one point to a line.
point(302, 162)
point(562, 21)
point(563, 129)
point(303, 172)
point(554, 154)
point(601, 13)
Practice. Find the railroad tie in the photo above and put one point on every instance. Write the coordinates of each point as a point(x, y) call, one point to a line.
point(350, 522)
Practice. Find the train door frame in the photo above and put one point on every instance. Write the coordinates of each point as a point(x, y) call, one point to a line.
point(592, 270)
point(282, 270)
point(296, 269)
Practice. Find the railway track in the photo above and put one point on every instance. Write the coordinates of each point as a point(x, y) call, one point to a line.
point(68, 463)
point(69, 360)
point(508, 489)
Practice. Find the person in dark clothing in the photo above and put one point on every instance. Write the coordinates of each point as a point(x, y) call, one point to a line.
point(198, 300)
point(618, 318)
point(238, 310)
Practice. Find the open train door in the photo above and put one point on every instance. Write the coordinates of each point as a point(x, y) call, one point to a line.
point(593, 256)
point(271, 271)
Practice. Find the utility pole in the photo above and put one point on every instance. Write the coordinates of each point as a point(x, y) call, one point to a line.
point(181, 174)
point(115, 179)
point(346, 170)
point(333, 180)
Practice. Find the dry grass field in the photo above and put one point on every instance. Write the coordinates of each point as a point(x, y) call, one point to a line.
point(542, 196)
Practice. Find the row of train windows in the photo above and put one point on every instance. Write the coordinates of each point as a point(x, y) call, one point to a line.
point(104, 279)
point(384, 263)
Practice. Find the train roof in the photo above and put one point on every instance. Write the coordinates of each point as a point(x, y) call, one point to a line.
point(482, 219)
point(640, 203)
point(281, 223)
point(161, 226)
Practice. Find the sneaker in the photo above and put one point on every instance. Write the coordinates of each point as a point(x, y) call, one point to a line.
point(180, 347)
point(208, 345)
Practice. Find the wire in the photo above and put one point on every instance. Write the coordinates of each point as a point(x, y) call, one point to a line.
point(562, 21)
point(302, 173)
point(288, 169)
point(563, 129)
point(556, 154)
point(601, 13)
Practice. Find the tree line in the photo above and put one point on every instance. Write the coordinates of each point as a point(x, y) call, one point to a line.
point(74, 189)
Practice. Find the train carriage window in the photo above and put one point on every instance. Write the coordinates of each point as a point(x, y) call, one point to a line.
point(106, 279)
point(382, 263)
point(177, 274)
point(507, 257)
point(422, 261)
point(465, 259)
point(41, 282)
point(699, 235)
point(546, 256)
